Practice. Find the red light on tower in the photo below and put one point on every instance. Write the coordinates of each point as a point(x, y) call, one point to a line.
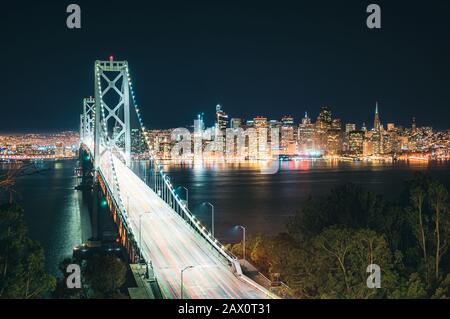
point(111, 58)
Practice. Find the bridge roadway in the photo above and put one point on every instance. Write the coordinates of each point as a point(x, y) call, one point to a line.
point(172, 245)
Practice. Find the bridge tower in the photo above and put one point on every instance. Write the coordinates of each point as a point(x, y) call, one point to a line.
point(82, 122)
point(112, 109)
point(88, 118)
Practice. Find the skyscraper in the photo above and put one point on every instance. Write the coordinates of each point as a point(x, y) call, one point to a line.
point(349, 127)
point(236, 122)
point(356, 143)
point(260, 124)
point(221, 126)
point(323, 124)
point(306, 136)
point(287, 134)
point(324, 118)
point(376, 121)
point(377, 142)
point(199, 127)
point(334, 138)
point(221, 118)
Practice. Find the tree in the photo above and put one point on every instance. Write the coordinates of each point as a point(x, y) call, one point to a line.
point(62, 291)
point(417, 219)
point(102, 276)
point(438, 199)
point(22, 263)
point(413, 288)
point(333, 246)
point(105, 275)
point(347, 205)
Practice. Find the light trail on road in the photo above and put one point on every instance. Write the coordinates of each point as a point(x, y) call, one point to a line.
point(171, 245)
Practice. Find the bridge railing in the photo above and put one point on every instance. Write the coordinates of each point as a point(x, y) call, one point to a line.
point(160, 182)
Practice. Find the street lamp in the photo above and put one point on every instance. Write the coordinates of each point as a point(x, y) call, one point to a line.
point(187, 195)
point(140, 234)
point(181, 279)
point(243, 238)
point(212, 219)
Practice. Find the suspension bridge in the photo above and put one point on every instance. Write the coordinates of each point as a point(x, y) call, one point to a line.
point(155, 224)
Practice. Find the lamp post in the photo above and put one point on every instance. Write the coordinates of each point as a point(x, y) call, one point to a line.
point(181, 279)
point(187, 195)
point(212, 218)
point(140, 236)
point(243, 239)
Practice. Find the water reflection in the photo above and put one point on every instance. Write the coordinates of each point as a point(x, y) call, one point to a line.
point(263, 203)
point(54, 212)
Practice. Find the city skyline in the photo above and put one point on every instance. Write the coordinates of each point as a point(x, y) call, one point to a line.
point(225, 150)
point(270, 59)
point(312, 113)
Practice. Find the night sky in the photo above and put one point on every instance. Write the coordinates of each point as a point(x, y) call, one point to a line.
point(258, 58)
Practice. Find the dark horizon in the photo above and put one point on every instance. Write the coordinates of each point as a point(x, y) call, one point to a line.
point(253, 59)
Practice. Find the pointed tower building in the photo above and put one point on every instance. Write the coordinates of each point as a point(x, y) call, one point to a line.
point(376, 121)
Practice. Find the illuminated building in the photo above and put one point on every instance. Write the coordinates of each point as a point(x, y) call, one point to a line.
point(324, 118)
point(287, 135)
point(305, 136)
point(236, 123)
point(334, 138)
point(377, 147)
point(376, 121)
point(390, 126)
point(323, 124)
point(363, 127)
point(59, 149)
point(356, 143)
point(199, 127)
point(350, 127)
point(221, 126)
point(261, 126)
point(138, 143)
point(221, 118)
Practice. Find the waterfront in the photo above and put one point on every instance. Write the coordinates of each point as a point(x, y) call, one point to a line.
point(55, 213)
point(58, 217)
point(242, 195)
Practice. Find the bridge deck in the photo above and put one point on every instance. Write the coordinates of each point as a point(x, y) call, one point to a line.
point(172, 245)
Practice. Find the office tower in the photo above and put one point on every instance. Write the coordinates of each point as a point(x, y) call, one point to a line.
point(261, 126)
point(389, 142)
point(364, 127)
point(390, 126)
point(376, 121)
point(236, 123)
point(199, 128)
point(377, 147)
point(275, 124)
point(287, 135)
point(249, 123)
point(220, 134)
point(322, 125)
point(260, 122)
point(334, 138)
point(221, 118)
point(413, 126)
point(350, 127)
point(138, 143)
point(356, 143)
point(325, 117)
point(305, 136)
